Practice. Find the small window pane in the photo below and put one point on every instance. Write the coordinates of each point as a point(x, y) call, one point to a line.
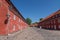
point(13, 27)
point(59, 20)
point(14, 17)
point(19, 20)
point(59, 26)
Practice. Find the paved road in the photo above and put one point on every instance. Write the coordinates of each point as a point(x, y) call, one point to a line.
point(48, 34)
point(33, 33)
point(29, 34)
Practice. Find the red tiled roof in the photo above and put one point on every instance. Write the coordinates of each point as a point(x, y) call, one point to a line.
point(51, 15)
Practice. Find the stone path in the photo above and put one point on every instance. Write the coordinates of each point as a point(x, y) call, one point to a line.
point(29, 34)
point(33, 33)
point(48, 34)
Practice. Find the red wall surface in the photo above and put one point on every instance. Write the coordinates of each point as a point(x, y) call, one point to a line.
point(11, 24)
point(52, 22)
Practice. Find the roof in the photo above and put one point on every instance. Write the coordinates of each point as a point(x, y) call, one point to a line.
point(53, 14)
point(18, 13)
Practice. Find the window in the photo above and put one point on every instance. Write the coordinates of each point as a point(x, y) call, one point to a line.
point(49, 26)
point(54, 21)
point(19, 26)
point(53, 17)
point(58, 15)
point(6, 21)
point(19, 20)
point(54, 26)
point(59, 20)
point(51, 22)
point(14, 17)
point(13, 27)
point(0, 4)
point(59, 26)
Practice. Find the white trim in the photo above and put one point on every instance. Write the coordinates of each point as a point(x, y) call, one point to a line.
point(54, 26)
point(59, 20)
point(14, 27)
point(14, 17)
point(19, 26)
point(19, 20)
point(59, 26)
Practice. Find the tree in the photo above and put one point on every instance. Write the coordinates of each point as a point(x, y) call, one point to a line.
point(36, 22)
point(41, 19)
point(28, 20)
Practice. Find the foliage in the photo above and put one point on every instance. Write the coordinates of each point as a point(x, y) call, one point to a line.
point(28, 20)
point(41, 19)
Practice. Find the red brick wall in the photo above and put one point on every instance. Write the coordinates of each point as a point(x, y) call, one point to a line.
point(12, 25)
point(3, 12)
point(52, 22)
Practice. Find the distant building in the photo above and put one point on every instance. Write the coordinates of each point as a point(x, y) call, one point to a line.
point(52, 21)
point(34, 25)
point(11, 19)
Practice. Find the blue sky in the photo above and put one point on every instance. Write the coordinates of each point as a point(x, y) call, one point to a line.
point(36, 9)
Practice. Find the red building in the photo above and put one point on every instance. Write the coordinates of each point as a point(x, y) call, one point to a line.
point(52, 21)
point(11, 19)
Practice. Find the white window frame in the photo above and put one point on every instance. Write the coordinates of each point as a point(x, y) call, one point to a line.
point(19, 20)
point(19, 26)
point(14, 27)
point(59, 20)
point(54, 26)
point(14, 17)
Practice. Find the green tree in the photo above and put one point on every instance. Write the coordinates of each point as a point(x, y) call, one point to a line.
point(28, 20)
point(36, 22)
point(40, 19)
